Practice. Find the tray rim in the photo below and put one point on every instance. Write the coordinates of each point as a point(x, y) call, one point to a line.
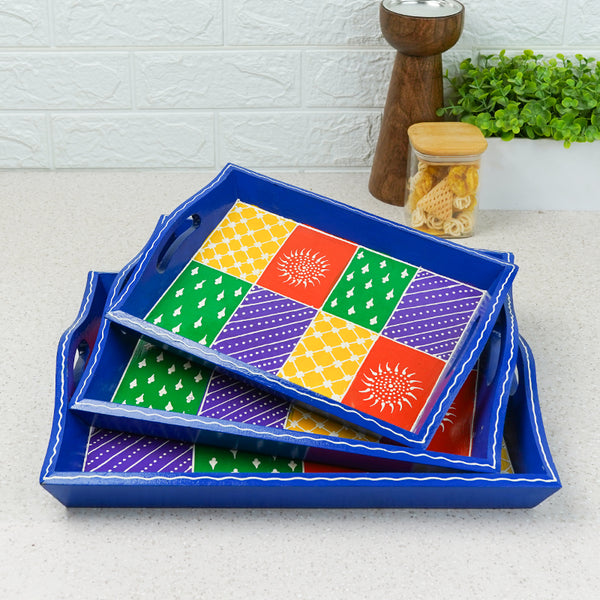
point(64, 485)
point(307, 442)
point(84, 489)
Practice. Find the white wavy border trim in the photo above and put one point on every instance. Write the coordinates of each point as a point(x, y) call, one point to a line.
point(309, 479)
point(442, 403)
point(91, 285)
point(497, 435)
point(83, 311)
point(275, 434)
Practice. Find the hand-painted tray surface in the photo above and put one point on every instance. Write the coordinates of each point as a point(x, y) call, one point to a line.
point(338, 291)
point(66, 470)
point(145, 380)
point(320, 312)
point(110, 451)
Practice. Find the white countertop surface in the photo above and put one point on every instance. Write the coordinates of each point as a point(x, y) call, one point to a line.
point(56, 227)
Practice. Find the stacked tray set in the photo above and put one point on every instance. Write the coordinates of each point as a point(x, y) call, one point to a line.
point(269, 347)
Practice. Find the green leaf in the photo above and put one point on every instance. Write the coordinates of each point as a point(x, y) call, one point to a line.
point(528, 96)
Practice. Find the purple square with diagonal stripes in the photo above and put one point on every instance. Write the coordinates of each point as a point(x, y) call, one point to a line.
point(230, 399)
point(433, 314)
point(264, 329)
point(120, 452)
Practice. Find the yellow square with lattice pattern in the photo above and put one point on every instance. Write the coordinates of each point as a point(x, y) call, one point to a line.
point(307, 421)
point(245, 241)
point(505, 462)
point(328, 355)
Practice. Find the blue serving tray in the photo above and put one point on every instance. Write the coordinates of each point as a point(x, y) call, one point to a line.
point(535, 476)
point(184, 231)
point(115, 347)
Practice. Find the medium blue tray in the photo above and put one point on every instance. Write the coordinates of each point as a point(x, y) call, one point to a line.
point(496, 365)
point(535, 476)
point(184, 231)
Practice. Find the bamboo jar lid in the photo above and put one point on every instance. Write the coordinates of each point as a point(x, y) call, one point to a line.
point(447, 139)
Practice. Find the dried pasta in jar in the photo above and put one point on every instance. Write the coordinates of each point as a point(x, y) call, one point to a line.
point(443, 178)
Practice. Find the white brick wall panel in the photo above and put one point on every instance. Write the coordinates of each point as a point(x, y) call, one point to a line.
point(299, 139)
point(133, 141)
point(23, 142)
point(342, 78)
point(513, 23)
point(218, 79)
point(138, 22)
point(56, 80)
point(24, 23)
point(312, 22)
point(583, 24)
point(139, 81)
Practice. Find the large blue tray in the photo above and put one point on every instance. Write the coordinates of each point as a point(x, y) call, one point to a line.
point(496, 365)
point(184, 231)
point(535, 476)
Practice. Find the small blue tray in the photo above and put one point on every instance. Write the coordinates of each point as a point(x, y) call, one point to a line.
point(172, 249)
point(534, 480)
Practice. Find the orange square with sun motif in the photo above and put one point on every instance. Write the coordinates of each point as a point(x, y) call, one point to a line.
point(394, 383)
point(307, 266)
point(455, 433)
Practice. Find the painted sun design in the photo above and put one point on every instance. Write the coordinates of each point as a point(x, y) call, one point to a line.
point(303, 267)
point(448, 418)
point(390, 387)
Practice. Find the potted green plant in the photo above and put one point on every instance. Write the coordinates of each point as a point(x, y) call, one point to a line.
point(543, 106)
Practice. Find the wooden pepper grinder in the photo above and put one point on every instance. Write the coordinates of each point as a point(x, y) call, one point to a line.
point(420, 30)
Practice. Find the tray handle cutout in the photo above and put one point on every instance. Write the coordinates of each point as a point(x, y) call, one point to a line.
point(81, 354)
point(75, 347)
point(176, 239)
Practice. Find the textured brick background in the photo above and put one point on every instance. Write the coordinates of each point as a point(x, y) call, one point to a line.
point(198, 83)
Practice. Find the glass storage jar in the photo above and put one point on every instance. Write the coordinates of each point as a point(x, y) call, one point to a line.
point(443, 178)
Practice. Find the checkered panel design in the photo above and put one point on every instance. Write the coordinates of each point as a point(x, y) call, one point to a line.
point(359, 327)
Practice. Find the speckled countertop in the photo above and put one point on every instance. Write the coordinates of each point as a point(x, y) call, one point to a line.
point(55, 227)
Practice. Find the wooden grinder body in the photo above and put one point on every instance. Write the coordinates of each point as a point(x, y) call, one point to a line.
point(414, 94)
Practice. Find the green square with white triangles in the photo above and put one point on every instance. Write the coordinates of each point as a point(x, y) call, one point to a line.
point(156, 378)
point(369, 289)
point(224, 460)
point(199, 303)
